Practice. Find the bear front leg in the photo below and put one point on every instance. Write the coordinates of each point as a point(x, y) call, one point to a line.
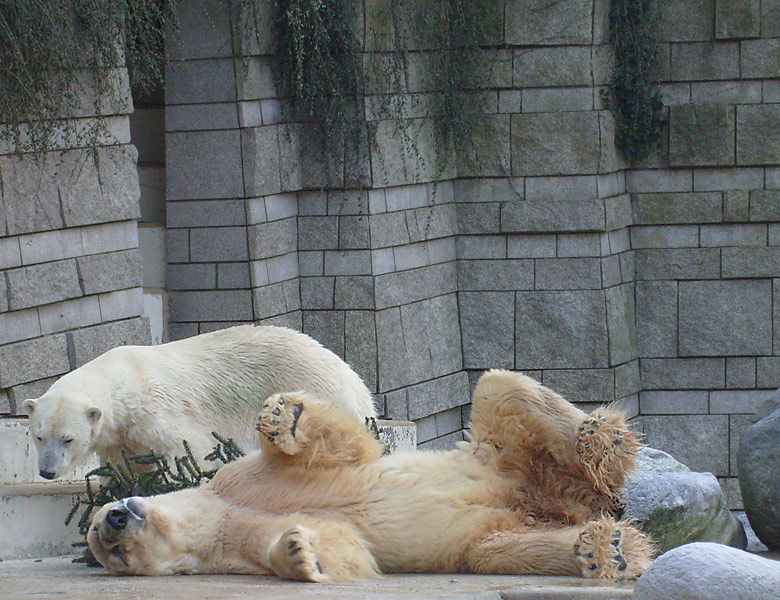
point(612, 549)
point(321, 551)
point(314, 433)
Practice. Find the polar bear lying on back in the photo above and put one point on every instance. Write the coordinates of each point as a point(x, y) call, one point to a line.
point(137, 398)
point(531, 493)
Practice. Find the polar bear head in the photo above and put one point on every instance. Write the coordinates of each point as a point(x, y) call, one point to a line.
point(63, 425)
point(146, 536)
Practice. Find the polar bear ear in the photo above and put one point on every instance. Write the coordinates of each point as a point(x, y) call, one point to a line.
point(28, 406)
point(94, 414)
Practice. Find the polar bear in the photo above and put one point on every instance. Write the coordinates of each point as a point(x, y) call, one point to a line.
point(137, 398)
point(534, 491)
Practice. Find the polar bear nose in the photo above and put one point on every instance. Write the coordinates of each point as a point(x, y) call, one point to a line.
point(47, 474)
point(117, 517)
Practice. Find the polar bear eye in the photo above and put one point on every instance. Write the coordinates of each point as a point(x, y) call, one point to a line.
point(39, 438)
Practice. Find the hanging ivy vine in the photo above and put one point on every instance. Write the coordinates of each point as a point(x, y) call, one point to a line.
point(54, 54)
point(633, 98)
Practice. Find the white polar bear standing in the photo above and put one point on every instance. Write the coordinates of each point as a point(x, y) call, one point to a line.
point(137, 398)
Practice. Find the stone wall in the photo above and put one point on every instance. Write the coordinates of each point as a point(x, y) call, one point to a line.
point(71, 269)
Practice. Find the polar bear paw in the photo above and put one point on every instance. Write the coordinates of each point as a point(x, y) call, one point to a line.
point(293, 556)
point(278, 421)
point(612, 550)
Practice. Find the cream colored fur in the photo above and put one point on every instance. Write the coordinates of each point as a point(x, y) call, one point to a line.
point(137, 398)
point(322, 503)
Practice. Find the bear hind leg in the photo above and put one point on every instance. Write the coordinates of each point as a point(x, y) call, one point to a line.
point(612, 549)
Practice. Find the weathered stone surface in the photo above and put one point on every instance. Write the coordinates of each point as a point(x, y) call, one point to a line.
point(731, 317)
point(675, 506)
point(753, 145)
point(360, 350)
point(707, 571)
point(568, 273)
point(677, 263)
point(108, 272)
point(582, 385)
point(552, 67)
point(485, 149)
point(495, 275)
point(537, 22)
point(221, 305)
point(327, 327)
point(200, 81)
point(309, 160)
point(685, 20)
point(393, 289)
point(204, 164)
point(218, 244)
point(741, 372)
point(760, 58)
point(663, 209)
point(438, 395)
point(682, 373)
point(317, 293)
point(699, 441)
point(733, 235)
point(536, 216)
point(261, 162)
point(560, 330)
point(90, 342)
point(758, 459)
point(701, 135)
point(666, 236)
point(737, 19)
point(42, 284)
point(354, 292)
point(205, 213)
point(705, 61)
point(621, 323)
point(671, 403)
point(751, 262)
point(317, 233)
point(33, 359)
point(555, 143)
point(486, 322)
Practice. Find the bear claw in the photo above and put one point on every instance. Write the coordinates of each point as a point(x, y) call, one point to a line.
point(293, 556)
point(612, 550)
point(278, 421)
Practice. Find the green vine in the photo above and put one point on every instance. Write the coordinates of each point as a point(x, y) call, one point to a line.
point(633, 98)
point(54, 54)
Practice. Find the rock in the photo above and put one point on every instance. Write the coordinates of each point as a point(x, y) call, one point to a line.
point(676, 506)
point(753, 543)
point(758, 459)
point(706, 571)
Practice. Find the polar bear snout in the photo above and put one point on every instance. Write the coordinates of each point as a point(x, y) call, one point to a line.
point(129, 510)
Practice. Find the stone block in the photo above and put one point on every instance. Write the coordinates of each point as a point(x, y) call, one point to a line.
point(685, 20)
point(347, 202)
point(441, 250)
point(538, 22)
point(736, 206)
point(218, 244)
point(394, 289)
point(495, 275)
point(488, 190)
point(360, 349)
point(410, 256)
point(753, 145)
point(70, 314)
point(111, 271)
point(582, 385)
point(272, 239)
point(732, 179)
point(568, 273)
point(41, 247)
point(122, 304)
point(317, 233)
point(767, 372)
point(481, 246)
point(348, 262)
point(233, 276)
point(486, 321)
point(726, 92)
point(33, 359)
point(109, 237)
point(353, 232)
point(621, 323)
point(765, 205)
point(510, 101)
point(563, 66)
point(751, 262)
point(392, 363)
point(205, 213)
point(544, 216)
point(90, 342)
point(196, 276)
point(42, 284)
point(430, 223)
point(682, 373)
point(656, 318)
point(610, 271)
point(701, 135)
point(733, 235)
point(580, 187)
point(354, 293)
point(578, 244)
point(327, 327)
point(618, 214)
point(677, 263)
point(643, 181)
point(281, 206)
point(561, 329)
point(555, 143)
point(282, 268)
point(217, 305)
point(705, 61)
point(178, 245)
point(771, 91)
point(698, 441)
point(760, 58)
point(557, 99)
point(19, 325)
point(667, 236)
point(480, 217)
point(261, 163)
point(438, 395)
point(672, 208)
point(736, 401)
point(725, 317)
point(200, 81)
point(628, 382)
point(307, 159)
point(30, 193)
point(382, 261)
point(195, 117)
point(627, 267)
point(484, 149)
point(432, 337)
point(737, 19)
point(674, 403)
point(741, 372)
point(448, 421)
point(388, 229)
point(204, 31)
point(10, 252)
point(276, 299)
point(531, 246)
point(770, 18)
point(204, 164)
point(404, 197)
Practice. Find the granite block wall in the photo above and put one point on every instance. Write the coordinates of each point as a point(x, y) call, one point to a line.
point(71, 269)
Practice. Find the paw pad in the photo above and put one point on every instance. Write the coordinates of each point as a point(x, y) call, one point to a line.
point(278, 421)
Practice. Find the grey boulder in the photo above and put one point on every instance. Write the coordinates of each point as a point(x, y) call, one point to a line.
point(707, 571)
point(676, 506)
point(758, 459)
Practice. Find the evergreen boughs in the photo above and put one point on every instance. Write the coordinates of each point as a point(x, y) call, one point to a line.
point(633, 98)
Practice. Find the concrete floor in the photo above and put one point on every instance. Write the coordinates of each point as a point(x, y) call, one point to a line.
point(59, 578)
